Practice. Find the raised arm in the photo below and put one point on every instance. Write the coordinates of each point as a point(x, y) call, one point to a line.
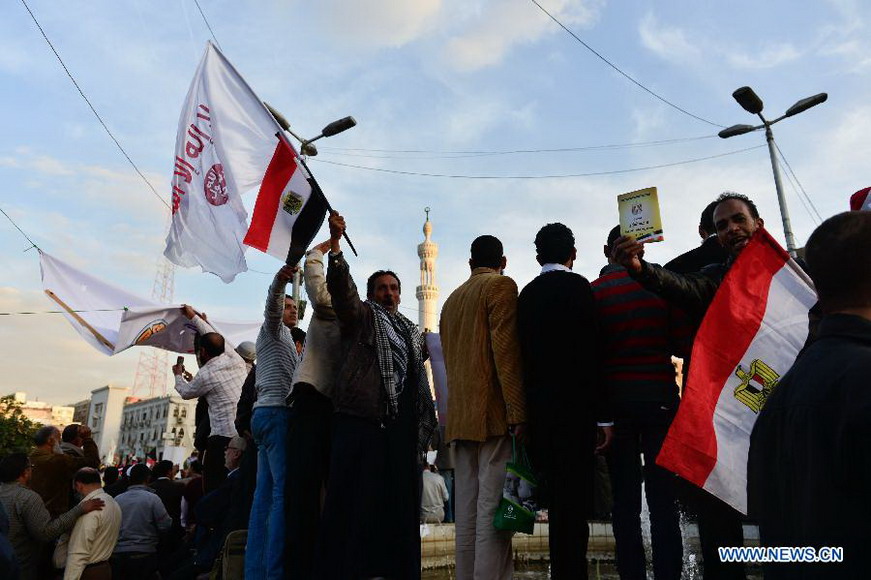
point(275, 300)
point(692, 292)
point(346, 300)
point(316, 281)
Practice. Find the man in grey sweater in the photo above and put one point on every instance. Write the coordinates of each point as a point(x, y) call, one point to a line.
point(30, 525)
point(276, 362)
point(143, 520)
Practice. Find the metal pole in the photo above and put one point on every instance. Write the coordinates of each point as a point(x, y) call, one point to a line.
point(781, 199)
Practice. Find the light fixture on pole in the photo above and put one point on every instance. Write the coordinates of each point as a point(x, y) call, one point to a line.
point(309, 150)
point(751, 103)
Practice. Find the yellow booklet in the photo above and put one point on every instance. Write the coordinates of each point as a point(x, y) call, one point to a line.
point(639, 215)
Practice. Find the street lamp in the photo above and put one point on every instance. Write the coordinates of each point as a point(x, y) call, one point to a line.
point(751, 103)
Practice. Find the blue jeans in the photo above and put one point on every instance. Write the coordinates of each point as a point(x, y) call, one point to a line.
point(264, 554)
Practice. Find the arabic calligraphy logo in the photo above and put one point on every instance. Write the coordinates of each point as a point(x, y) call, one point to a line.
point(215, 186)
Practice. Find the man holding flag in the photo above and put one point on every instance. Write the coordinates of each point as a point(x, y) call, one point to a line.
point(755, 322)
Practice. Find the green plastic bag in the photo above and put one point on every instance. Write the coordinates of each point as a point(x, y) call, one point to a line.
point(516, 510)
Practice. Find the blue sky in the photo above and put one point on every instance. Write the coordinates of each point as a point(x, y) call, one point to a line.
point(434, 75)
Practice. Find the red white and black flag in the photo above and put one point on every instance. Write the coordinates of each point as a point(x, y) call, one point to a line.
point(225, 148)
point(750, 336)
point(290, 208)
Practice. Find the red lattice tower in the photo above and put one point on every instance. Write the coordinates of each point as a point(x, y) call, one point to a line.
point(154, 362)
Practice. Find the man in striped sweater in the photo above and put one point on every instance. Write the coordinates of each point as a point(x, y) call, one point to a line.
point(641, 332)
point(276, 361)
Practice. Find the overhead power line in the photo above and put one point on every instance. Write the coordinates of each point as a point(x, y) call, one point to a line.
point(801, 187)
point(625, 74)
point(60, 311)
point(437, 154)
point(91, 106)
point(26, 237)
point(552, 176)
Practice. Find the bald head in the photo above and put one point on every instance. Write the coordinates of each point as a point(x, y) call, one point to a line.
point(211, 345)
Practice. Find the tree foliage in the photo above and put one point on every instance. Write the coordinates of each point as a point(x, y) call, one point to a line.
point(16, 430)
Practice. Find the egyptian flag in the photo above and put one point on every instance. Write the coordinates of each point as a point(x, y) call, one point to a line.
point(861, 200)
point(750, 336)
point(290, 208)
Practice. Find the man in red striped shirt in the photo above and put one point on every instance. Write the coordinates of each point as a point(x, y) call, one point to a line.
point(641, 331)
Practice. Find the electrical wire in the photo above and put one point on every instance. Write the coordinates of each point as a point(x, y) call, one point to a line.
point(91, 106)
point(558, 176)
point(209, 26)
point(60, 311)
point(26, 237)
point(800, 198)
point(619, 70)
point(801, 187)
point(435, 154)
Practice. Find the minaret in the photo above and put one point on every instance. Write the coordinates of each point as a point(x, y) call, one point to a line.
point(428, 291)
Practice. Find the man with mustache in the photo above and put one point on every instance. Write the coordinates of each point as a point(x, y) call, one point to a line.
point(53, 469)
point(736, 220)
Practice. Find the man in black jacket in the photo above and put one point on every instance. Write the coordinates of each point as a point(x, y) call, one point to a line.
point(809, 469)
point(710, 252)
point(559, 340)
point(736, 219)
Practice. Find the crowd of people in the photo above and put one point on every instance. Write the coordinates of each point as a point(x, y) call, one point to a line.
point(322, 448)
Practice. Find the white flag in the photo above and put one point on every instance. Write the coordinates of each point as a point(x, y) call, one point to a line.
point(226, 139)
point(112, 320)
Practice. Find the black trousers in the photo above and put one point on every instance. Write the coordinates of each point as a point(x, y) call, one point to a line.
point(639, 429)
point(214, 471)
point(720, 525)
point(309, 437)
point(562, 452)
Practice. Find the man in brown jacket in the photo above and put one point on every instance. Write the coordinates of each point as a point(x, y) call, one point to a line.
point(53, 469)
point(485, 397)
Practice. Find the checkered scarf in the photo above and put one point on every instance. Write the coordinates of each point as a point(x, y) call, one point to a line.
point(398, 346)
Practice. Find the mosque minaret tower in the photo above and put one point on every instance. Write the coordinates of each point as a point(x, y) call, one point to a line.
point(428, 291)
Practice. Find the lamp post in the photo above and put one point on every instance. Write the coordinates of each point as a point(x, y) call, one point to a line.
point(751, 103)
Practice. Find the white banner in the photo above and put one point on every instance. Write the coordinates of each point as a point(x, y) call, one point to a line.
point(226, 138)
point(112, 320)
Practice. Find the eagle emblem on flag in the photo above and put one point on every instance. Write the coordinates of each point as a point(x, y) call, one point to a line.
point(291, 202)
point(756, 384)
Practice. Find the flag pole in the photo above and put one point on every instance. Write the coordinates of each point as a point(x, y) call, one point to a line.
point(80, 320)
point(316, 188)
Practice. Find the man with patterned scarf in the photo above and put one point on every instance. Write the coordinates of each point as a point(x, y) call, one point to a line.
point(384, 419)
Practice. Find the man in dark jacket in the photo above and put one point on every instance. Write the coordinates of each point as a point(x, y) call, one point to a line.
point(170, 493)
point(382, 426)
point(736, 219)
point(809, 469)
point(565, 397)
point(710, 252)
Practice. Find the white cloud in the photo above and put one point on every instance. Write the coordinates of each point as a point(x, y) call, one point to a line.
point(500, 25)
point(668, 42)
point(768, 56)
point(376, 23)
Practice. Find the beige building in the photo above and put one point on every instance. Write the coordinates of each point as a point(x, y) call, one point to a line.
point(44, 413)
point(163, 426)
point(80, 411)
point(104, 418)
